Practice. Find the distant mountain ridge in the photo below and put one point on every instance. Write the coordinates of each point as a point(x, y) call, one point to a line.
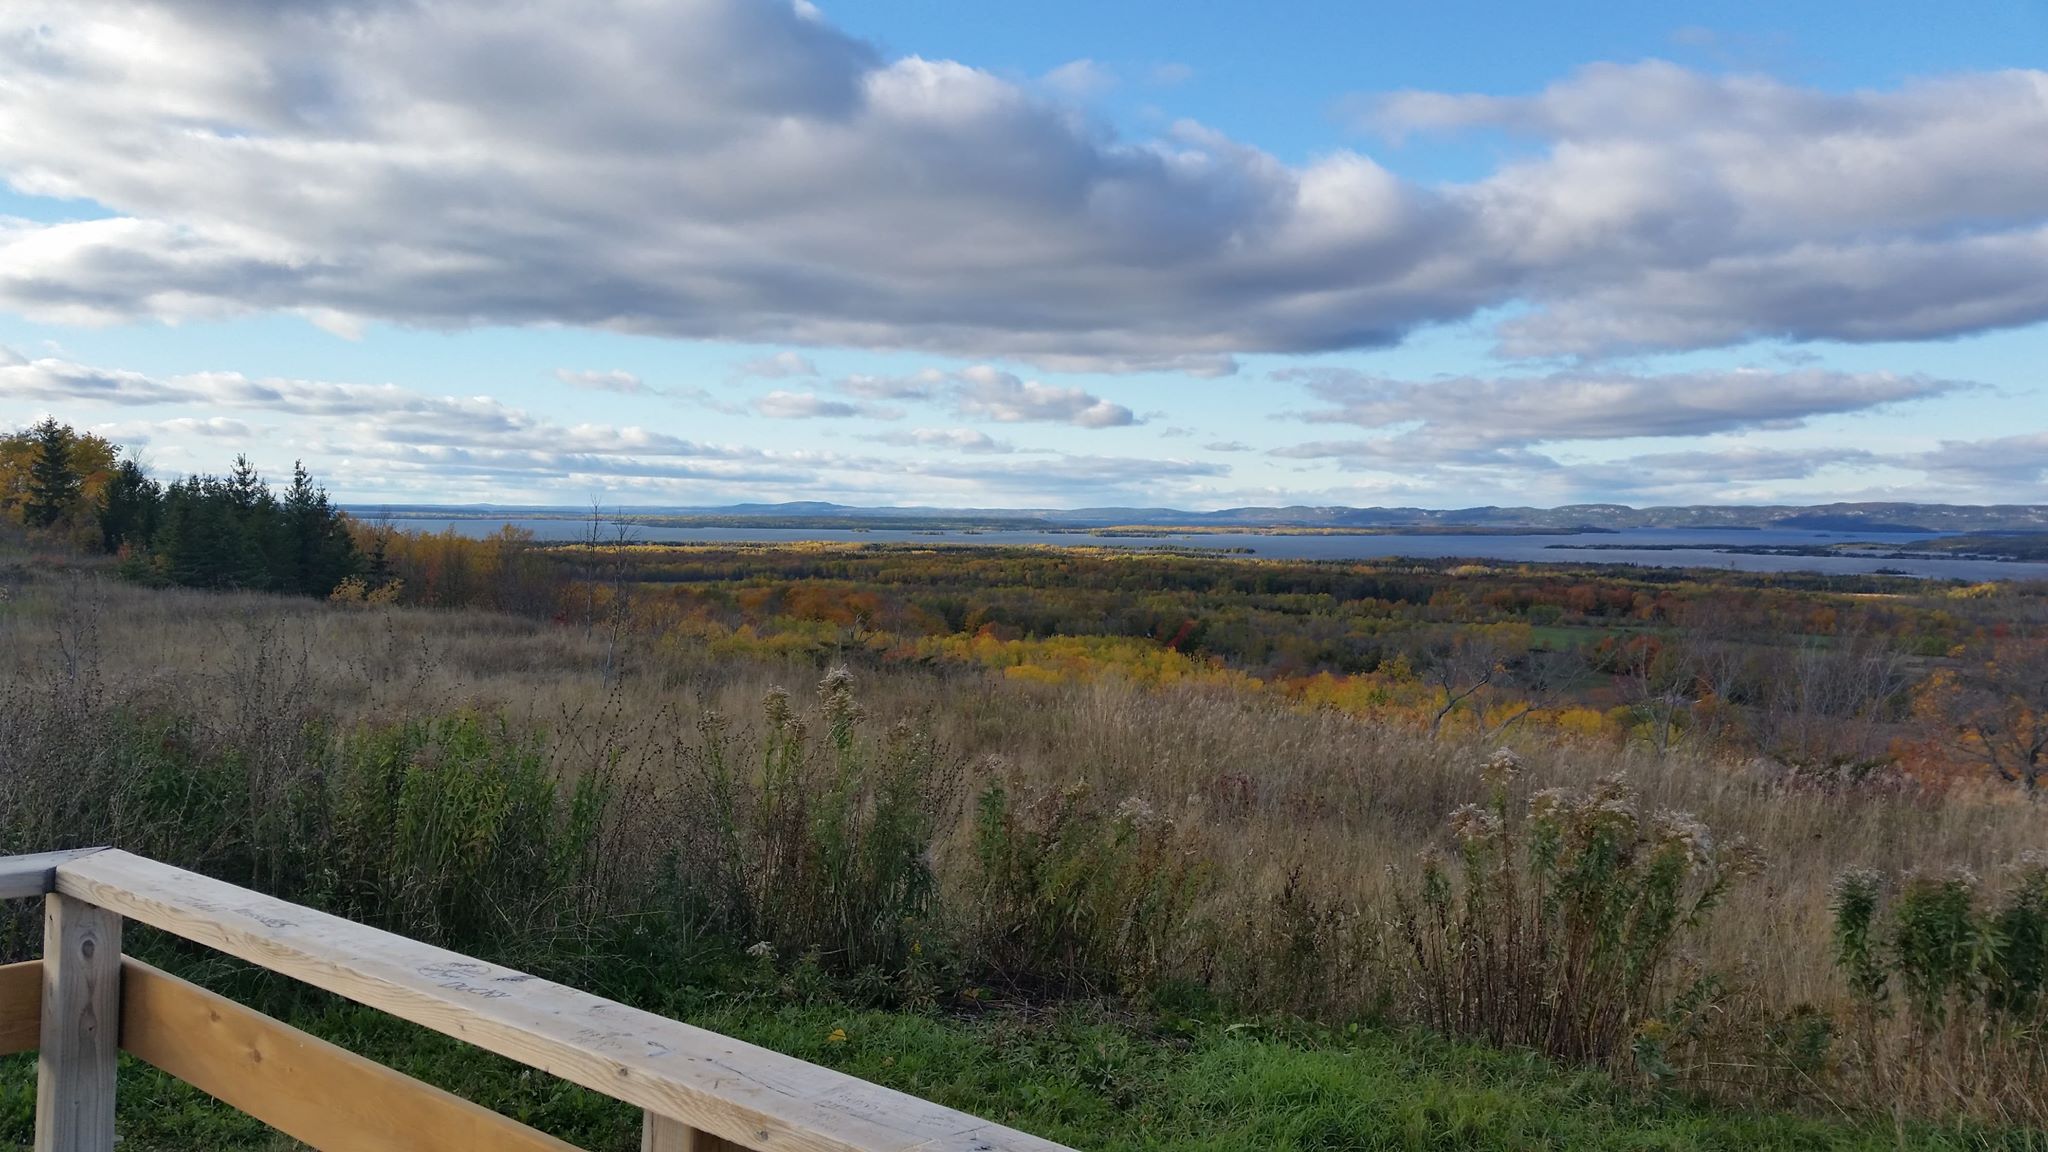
point(1863, 517)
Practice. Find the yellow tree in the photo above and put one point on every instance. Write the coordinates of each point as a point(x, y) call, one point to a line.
point(89, 457)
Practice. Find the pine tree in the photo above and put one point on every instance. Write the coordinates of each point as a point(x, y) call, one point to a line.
point(304, 513)
point(378, 563)
point(257, 543)
point(322, 554)
point(245, 488)
point(53, 485)
point(129, 508)
point(191, 540)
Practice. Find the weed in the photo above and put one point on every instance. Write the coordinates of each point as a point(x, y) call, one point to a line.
point(1557, 929)
point(1074, 895)
point(1965, 962)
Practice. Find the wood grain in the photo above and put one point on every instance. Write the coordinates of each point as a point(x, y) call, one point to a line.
point(753, 1097)
point(25, 876)
point(661, 1134)
point(301, 1085)
point(80, 1028)
point(21, 1007)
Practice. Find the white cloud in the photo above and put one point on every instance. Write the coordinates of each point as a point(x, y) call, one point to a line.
point(781, 405)
point(368, 413)
point(742, 170)
point(1073, 478)
point(1748, 464)
point(1677, 209)
point(594, 381)
point(992, 394)
point(1496, 421)
point(211, 426)
point(921, 385)
point(985, 392)
point(2007, 466)
point(1740, 472)
point(139, 433)
point(958, 439)
point(51, 380)
point(629, 384)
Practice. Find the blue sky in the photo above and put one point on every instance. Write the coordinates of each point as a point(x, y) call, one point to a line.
point(1063, 254)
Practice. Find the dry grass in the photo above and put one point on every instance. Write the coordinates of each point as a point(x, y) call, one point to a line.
point(1283, 810)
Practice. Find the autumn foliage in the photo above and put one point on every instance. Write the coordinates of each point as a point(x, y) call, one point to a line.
point(1835, 679)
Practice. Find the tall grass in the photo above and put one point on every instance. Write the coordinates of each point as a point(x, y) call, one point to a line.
point(818, 843)
point(455, 830)
point(530, 792)
point(1560, 931)
point(1072, 895)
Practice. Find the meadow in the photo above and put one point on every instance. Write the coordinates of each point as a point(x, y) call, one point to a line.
point(1699, 841)
point(1172, 885)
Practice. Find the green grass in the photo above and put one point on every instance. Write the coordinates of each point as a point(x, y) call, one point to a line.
point(1560, 637)
point(1082, 1076)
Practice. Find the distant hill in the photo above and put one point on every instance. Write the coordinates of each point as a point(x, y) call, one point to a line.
point(1849, 518)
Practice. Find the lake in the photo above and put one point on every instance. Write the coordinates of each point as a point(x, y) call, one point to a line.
point(1649, 546)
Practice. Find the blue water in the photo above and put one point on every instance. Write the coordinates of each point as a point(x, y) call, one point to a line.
point(1526, 549)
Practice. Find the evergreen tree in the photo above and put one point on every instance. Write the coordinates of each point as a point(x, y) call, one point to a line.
point(53, 484)
point(244, 487)
point(129, 508)
point(193, 537)
point(321, 554)
point(256, 540)
point(377, 566)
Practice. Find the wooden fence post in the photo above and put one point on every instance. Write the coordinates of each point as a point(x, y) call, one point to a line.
point(661, 1134)
point(81, 1030)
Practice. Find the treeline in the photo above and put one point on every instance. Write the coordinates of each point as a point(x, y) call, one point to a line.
point(202, 531)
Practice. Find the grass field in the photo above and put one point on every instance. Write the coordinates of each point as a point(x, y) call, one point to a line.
point(1186, 936)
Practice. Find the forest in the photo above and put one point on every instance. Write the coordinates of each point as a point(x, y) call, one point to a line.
point(1095, 841)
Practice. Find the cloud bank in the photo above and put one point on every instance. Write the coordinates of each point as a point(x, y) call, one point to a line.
point(1472, 419)
point(384, 439)
point(1514, 433)
point(742, 170)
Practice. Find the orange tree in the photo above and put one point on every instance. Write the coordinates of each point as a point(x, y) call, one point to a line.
point(1993, 709)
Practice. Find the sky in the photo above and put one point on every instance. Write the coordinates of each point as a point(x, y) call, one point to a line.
point(1200, 255)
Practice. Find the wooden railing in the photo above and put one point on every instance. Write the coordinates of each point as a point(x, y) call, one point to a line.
point(84, 1002)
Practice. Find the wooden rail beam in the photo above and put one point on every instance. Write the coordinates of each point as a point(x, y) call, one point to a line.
point(755, 1098)
point(299, 1084)
point(25, 876)
point(661, 1134)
